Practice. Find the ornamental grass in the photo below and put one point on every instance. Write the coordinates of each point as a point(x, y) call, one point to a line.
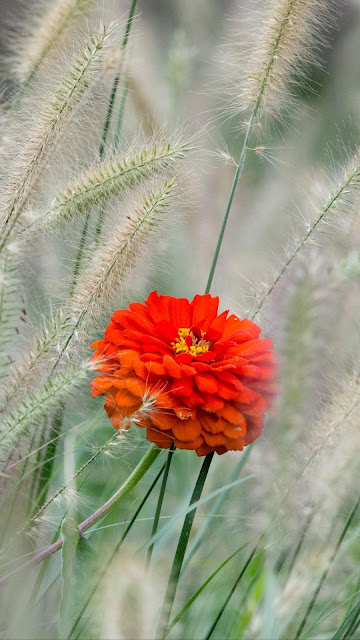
point(179, 279)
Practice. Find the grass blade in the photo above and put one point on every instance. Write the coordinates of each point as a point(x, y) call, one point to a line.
point(115, 551)
point(201, 589)
point(326, 571)
point(217, 507)
point(181, 548)
point(193, 505)
point(160, 502)
point(230, 594)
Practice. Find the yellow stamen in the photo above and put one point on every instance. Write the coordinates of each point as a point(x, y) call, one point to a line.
point(195, 349)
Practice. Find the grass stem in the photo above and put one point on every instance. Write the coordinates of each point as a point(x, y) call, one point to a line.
point(160, 502)
point(181, 550)
point(133, 479)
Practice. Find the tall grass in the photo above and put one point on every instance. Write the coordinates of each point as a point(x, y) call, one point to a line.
point(103, 535)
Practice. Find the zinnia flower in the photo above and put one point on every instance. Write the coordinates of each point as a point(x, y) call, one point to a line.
point(188, 375)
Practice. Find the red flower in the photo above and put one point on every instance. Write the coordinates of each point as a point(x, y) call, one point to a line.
point(191, 377)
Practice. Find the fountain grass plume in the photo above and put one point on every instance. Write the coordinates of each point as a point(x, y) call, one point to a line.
point(338, 204)
point(287, 37)
point(22, 372)
point(38, 403)
point(39, 33)
point(118, 252)
point(29, 164)
point(106, 179)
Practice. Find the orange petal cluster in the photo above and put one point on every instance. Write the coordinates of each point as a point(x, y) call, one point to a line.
point(188, 375)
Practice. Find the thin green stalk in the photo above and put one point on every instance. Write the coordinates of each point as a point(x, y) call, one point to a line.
point(238, 173)
point(102, 148)
point(108, 116)
point(121, 112)
point(233, 632)
point(194, 505)
point(160, 502)
point(230, 594)
point(299, 544)
point(181, 550)
point(327, 611)
point(352, 599)
point(117, 547)
point(133, 479)
point(349, 624)
point(326, 571)
point(353, 627)
point(79, 255)
point(50, 454)
point(217, 507)
point(117, 79)
point(57, 422)
point(201, 589)
point(110, 110)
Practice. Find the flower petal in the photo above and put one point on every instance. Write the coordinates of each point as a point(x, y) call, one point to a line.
point(206, 383)
point(187, 430)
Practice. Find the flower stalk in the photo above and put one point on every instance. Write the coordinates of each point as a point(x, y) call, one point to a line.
point(181, 550)
point(131, 482)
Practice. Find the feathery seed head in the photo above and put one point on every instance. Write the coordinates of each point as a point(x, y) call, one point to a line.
point(42, 32)
point(341, 199)
point(38, 403)
point(109, 178)
point(286, 40)
point(41, 140)
point(33, 362)
point(118, 253)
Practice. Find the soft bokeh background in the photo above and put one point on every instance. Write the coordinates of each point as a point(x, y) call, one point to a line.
point(176, 83)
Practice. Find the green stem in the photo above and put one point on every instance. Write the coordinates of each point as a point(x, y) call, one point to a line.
point(231, 593)
point(326, 571)
point(115, 551)
point(121, 112)
point(79, 255)
point(50, 454)
point(160, 502)
point(57, 423)
point(139, 471)
point(217, 507)
point(238, 173)
point(349, 624)
point(116, 81)
point(108, 116)
point(181, 550)
point(110, 110)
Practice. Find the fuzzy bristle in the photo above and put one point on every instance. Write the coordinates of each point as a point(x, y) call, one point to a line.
point(42, 33)
point(118, 253)
point(28, 168)
point(22, 372)
point(286, 39)
point(107, 179)
point(36, 404)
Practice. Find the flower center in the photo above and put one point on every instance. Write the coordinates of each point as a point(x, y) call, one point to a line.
point(191, 341)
